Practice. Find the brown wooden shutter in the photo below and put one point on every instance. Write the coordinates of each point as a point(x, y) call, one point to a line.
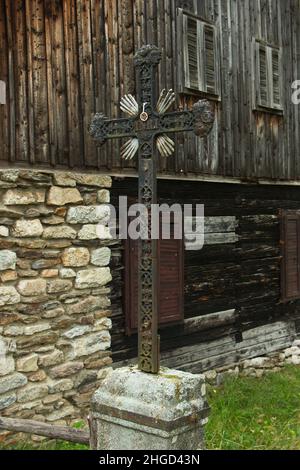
point(171, 285)
point(290, 244)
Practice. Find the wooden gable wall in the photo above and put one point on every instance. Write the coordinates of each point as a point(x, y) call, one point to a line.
point(64, 60)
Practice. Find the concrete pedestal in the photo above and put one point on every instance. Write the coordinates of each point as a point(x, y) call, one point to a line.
point(133, 410)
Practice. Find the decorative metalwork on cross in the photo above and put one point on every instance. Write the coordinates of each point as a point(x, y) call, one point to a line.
point(147, 127)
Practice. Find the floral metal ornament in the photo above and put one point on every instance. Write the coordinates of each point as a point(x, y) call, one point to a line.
point(146, 128)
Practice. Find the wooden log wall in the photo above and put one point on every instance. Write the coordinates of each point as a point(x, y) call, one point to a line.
point(232, 306)
point(63, 60)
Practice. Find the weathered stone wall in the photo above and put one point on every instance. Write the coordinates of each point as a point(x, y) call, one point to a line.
point(54, 294)
point(257, 366)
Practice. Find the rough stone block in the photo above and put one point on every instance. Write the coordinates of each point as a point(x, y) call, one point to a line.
point(100, 181)
point(7, 363)
point(28, 363)
point(93, 278)
point(11, 382)
point(62, 413)
point(103, 196)
point(59, 386)
point(86, 305)
point(27, 228)
point(60, 232)
point(76, 257)
point(101, 256)
point(88, 214)
point(7, 400)
point(59, 285)
point(32, 287)
point(4, 231)
point(66, 273)
point(8, 276)
point(88, 232)
point(32, 392)
point(8, 296)
point(23, 196)
point(133, 410)
point(49, 273)
point(51, 359)
point(64, 179)
point(61, 196)
point(8, 260)
point(77, 331)
point(67, 369)
point(91, 343)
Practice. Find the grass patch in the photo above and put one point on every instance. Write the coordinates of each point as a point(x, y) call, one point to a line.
point(257, 414)
point(246, 414)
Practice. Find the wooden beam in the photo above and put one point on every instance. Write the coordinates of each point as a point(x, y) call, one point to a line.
point(48, 430)
point(212, 320)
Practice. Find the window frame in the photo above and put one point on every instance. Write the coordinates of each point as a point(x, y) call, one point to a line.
point(269, 106)
point(184, 84)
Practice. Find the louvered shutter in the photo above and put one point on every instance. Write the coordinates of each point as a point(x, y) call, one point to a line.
point(268, 76)
point(290, 273)
point(170, 282)
point(199, 54)
point(263, 75)
point(209, 43)
point(192, 53)
point(171, 273)
point(276, 92)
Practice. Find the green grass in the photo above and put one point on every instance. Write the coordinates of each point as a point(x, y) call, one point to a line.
point(246, 413)
point(250, 413)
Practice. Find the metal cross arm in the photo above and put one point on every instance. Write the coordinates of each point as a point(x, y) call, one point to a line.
point(147, 127)
point(199, 120)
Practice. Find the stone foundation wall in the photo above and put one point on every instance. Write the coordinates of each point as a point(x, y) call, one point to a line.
point(54, 293)
point(257, 366)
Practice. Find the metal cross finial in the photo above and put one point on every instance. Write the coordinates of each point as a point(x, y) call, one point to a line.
point(147, 127)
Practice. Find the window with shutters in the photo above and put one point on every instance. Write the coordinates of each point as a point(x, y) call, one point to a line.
point(198, 56)
point(170, 282)
point(268, 76)
point(290, 250)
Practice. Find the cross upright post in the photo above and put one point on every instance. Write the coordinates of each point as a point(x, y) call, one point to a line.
point(147, 127)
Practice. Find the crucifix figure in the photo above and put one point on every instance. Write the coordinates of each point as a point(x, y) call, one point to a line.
point(147, 127)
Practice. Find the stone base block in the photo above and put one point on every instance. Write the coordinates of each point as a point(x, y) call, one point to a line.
point(133, 410)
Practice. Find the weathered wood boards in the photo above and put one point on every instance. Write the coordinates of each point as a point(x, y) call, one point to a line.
point(63, 61)
point(232, 290)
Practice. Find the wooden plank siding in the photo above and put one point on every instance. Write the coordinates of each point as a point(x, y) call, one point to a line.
point(63, 61)
point(232, 286)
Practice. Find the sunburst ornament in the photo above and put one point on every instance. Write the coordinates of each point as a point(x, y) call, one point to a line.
point(165, 100)
point(129, 149)
point(129, 106)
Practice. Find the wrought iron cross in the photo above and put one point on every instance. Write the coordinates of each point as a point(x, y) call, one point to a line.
point(147, 127)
